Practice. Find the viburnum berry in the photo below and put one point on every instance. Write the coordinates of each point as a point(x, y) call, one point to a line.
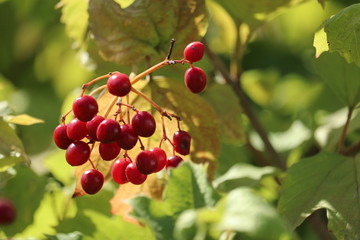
point(92, 126)
point(182, 142)
point(173, 161)
point(61, 138)
point(194, 51)
point(76, 129)
point(7, 212)
point(109, 151)
point(77, 153)
point(85, 108)
point(108, 131)
point(118, 170)
point(92, 181)
point(161, 158)
point(134, 175)
point(143, 124)
point(128, 137)
point(146, 162)
point(119, 84)
point(195, 79)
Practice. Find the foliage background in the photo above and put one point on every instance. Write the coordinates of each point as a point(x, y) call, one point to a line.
point(43, 64)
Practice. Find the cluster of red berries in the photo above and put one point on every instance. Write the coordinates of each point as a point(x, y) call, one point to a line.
point(79, 136)
point(7, 211)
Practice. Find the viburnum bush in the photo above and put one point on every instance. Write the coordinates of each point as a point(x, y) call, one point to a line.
point(116, 133)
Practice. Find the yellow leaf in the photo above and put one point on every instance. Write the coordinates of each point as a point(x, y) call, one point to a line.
point(23, 119)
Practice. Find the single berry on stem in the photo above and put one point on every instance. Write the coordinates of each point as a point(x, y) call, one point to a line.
point(85, 108)
point(161, 158)
point(77, 153)
point(92, 126)
point(133, 174)
point(128, 137)
point(194, 51)
point(146, 162)
point(119, 84)
point(173, 161)
point(76, 129)
point(7, 212)
point(109, 151)
point(118, 170)
point(92, 181)
point(143, 124)
point(61, 138)
point(108, 131)
point(195, 79)
point(182, 142)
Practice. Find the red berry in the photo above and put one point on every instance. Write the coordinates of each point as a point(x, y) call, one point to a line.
point(173, 161)
point(161, 158)
point(182, 141)
point(77, 153)
point(76, 129)
point(146, 162)
point(109, 151)
point(128, 137)
point(143, 124)
point(7, 212)
point(108, 131)
point(85, 108)
point(93, 125)
point(119, 84)
point(195, 79)
point(61, 138)
point(194, 51)
point(133, 175)
point(118, 170)
point(92, 181)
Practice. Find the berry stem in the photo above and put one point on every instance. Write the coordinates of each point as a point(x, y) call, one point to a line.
point(97, 89)
point(86, 85)
point(110, 106)
point(157, 107)
point(63, 117)
point(171, 48)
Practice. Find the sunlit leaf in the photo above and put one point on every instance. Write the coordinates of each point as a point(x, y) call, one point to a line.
point(320, 42)
point(144, 29)
point(75, 17)
point(343, 33)
point(23, 119)
point(329, 181)
point(341, 77)
point(242, 174)
point(255, 14)
point(65, 236)
point(11, 148)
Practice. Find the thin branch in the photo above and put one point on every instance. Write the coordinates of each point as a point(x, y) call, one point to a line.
point(341, 146)
point(274, 157)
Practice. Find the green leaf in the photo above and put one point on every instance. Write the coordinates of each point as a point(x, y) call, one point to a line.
point(242, 174)
point(94, 225)
point(26, 191)
point(343, 33)
point(329, 181)
point(144, 29)
point(246, 212)
point(255, 14)
point(75, 17)
point(23, 119)
point(11, 148)
point(188, 188)
point(341, 77)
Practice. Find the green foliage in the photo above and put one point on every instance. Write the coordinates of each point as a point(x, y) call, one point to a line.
point(329, 181)
point(263, 82)
point(342, 78)
point(343, 33)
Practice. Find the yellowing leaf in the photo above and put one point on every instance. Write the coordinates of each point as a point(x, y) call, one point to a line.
point(23, 119)
point(145, 28)
point(320, 42)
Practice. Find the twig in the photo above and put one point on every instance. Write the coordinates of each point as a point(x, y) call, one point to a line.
point(341, 146)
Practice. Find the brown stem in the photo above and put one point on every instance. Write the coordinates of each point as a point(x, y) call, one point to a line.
point(274, 157)
point(351, 150)
point(341, 146)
